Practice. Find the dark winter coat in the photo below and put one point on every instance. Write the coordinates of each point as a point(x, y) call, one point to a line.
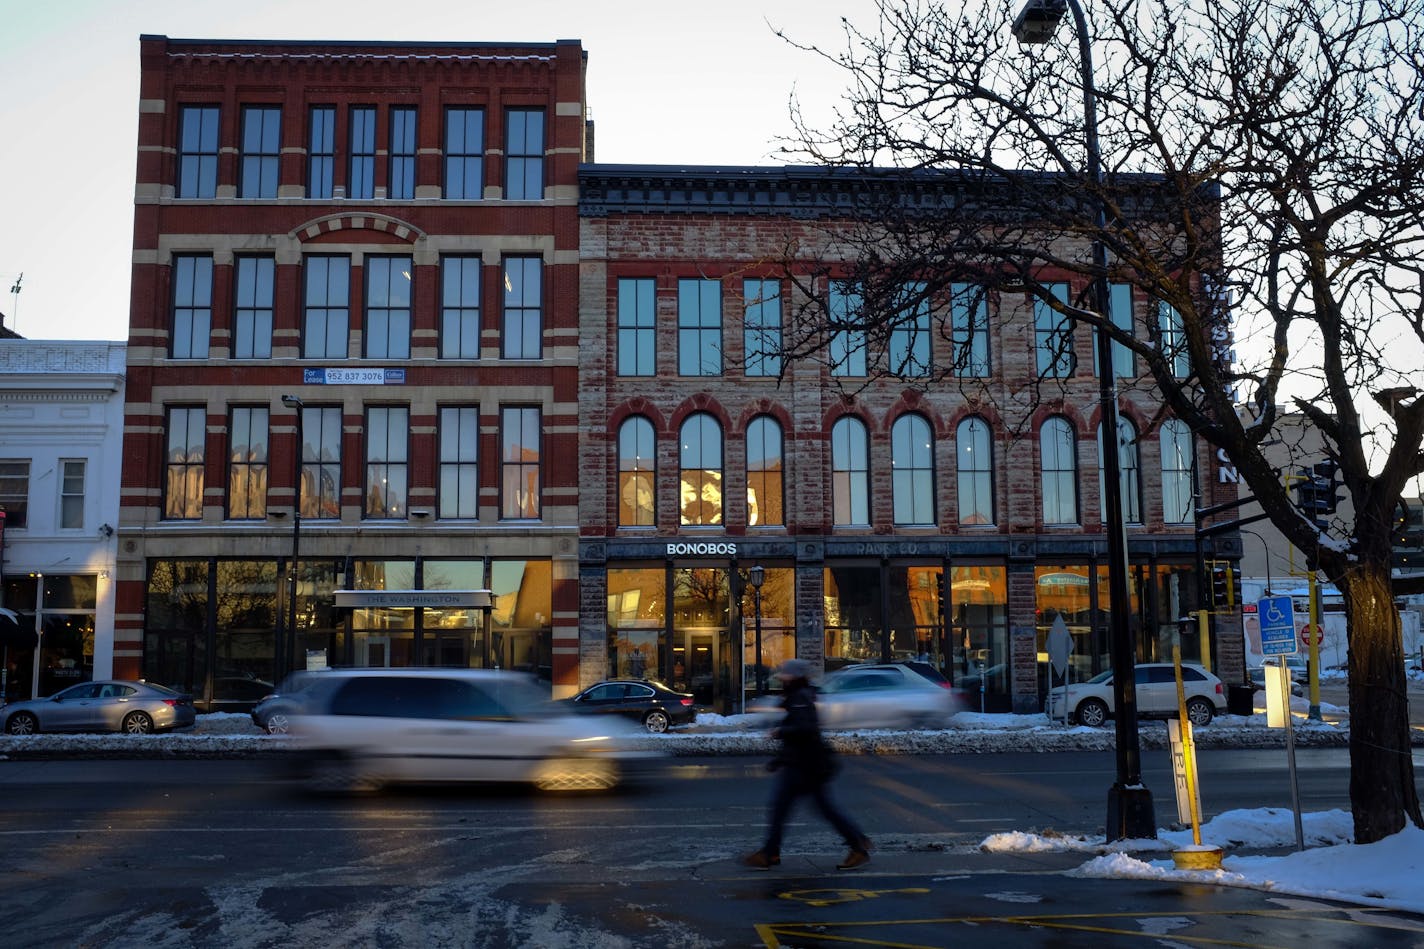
point(803, 750)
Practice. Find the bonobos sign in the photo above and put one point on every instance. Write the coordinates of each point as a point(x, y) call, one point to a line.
point(702, 550)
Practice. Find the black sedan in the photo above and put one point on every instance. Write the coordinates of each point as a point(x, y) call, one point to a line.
point(652, 703)
point(273, 714)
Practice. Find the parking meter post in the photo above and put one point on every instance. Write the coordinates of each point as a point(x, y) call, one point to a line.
point(1313, 648)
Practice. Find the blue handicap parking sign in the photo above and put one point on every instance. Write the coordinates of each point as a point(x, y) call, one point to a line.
point(1277, 618)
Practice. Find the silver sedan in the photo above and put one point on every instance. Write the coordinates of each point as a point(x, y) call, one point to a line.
point(110, 705)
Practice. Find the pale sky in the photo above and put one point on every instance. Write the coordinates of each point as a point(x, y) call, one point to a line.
point(667, 84)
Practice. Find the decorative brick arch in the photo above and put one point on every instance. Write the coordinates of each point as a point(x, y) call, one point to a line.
point(346, 221)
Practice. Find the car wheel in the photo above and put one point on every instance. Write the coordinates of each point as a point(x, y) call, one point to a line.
point(1093, 713)
point(1199, 711)
point(278, 723)
point(656, 721)
point(23, 723)
point(576, 774)
point(136, 723)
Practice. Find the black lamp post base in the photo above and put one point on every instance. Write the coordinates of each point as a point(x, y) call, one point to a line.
point(1130, 814)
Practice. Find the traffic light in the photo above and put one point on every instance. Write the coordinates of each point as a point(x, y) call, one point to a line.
point(1223, 585)
point(1315, 491)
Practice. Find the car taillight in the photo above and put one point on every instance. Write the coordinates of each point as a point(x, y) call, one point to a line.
point(687, 701)
point(173, 702)
point(1218, 688)
point(944, 685)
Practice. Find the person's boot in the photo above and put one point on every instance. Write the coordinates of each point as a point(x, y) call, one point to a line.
point(858, 857)
point(761, 860)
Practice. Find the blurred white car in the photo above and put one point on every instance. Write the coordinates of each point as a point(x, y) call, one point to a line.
point(884, 695)
point(1091, 702)
point(360, 729)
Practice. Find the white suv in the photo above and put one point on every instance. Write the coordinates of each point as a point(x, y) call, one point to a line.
point(1091, 702)
point(360, 729)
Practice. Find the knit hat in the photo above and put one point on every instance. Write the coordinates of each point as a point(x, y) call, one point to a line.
point(794, 669)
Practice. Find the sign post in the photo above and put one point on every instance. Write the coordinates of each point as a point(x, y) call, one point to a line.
point(1278, 638)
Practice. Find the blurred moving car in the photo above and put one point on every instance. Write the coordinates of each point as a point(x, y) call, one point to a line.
point(1091, 702)
point(360, 729)
point(647, 701)
point(1297, 666)
point(109, 705)
point(273, 714)
point(886, 695)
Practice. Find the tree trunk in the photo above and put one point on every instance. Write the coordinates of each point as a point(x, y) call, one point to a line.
point(1382, 791)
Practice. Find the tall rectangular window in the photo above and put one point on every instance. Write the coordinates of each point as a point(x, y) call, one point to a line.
point(459, 458)
point(183, 480)
point(637, 330)
point(460, 308)
point(969, 330)
point(252, 310)
point(321, 461)
point(846, 352)
point(1174, 340)
point(321, 152)
point(387, 321)
point(1120, 313)
point(192, 305)
point(327, 312)
point(71, 493)
point(524, 154)
point(402, 154)
point(247, 463)
point(261, 151)
point(523, 334)
point(1053, 336)
point(387, 448)
point(464, 154)
point(699, 327)
point(15, 492)
point(520, 462)
point(362, 182)
point(910, 336)
point(762, 327)
point(198, 151)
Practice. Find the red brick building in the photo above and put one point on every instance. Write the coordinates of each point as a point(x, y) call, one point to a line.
point(354, 291)
point(889, 519)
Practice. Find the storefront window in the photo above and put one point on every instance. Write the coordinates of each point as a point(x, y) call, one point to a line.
point(979, 634)
point(521, 633)
point(636, 620)
point(1063, 592)
point(383, 636)
point(246, 616)
point(1175, 595)
point(852, 612)
point(914, 613)
point(778, 627)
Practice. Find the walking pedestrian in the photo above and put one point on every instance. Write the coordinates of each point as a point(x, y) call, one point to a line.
point(805, 765)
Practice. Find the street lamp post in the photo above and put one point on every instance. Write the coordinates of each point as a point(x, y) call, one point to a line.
point(1130, 814)
point(757, 576)
point(286, 645)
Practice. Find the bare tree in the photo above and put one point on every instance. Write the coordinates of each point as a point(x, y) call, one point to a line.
point(1263, 178)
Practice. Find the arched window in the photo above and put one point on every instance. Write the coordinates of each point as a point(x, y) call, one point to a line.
point(701, 470)
point(1177, 455)
point(1129, 473)
point(765, 484)
point(850, 473)
point(1059, 453)
point(975, 461)
point(912, 470)
point(637, 473)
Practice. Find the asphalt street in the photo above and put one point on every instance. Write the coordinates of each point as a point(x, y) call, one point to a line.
point(207, 852)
